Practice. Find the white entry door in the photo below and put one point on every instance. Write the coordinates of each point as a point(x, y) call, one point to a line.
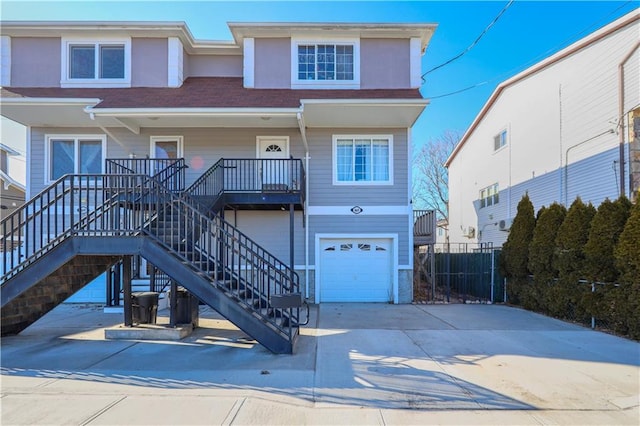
point(356, 270)
point(273, 172)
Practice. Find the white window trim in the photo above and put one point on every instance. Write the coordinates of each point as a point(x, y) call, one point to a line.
point(154, 139)
point(506, 143)
point(325, 84)
point(76, 138)
point(66, 81)
point(334, 161)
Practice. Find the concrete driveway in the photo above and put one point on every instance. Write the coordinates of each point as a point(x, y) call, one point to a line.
point(354, 364)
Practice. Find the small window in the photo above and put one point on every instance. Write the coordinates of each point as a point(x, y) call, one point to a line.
point(364, 247)
point(489, 196)
point(380, 248)
point(346, 247)
point(273, 148)
point(74, 155)
point(499, 140)
point(330, 248)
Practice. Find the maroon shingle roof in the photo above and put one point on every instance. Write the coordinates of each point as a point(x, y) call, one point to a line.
point(204, 92)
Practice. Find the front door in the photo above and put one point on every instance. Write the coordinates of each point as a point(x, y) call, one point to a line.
point(273, 151)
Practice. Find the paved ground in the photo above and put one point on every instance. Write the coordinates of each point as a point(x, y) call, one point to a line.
point(354, 364)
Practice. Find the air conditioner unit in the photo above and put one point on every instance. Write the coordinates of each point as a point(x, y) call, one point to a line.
point(505, 224)
point(469, 232)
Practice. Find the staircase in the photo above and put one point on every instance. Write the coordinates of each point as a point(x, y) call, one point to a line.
point(107, 217)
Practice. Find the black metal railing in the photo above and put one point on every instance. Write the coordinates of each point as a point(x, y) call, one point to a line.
point(135, 205)
point(424, 224)
point(169, 172)
point(250, 175)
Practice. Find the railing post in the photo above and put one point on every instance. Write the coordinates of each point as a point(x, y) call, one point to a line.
point(126, 281)
point(593, 319)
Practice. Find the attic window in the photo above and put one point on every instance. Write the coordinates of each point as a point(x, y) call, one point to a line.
point(96, 63)
point(329, 64)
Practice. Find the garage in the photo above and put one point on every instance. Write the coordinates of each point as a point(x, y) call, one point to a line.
point(356, 270)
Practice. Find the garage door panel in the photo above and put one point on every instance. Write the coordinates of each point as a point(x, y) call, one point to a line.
point(356, 270)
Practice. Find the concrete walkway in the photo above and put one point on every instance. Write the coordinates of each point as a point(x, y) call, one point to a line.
point(354, 364)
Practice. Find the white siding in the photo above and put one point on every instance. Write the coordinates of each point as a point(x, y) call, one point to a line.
point(559, 115)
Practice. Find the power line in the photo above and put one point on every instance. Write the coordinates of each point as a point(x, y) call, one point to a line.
point(527, 64)
point(459, 91)
point(471, 46)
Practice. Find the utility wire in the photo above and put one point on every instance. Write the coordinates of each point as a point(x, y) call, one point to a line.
point(528, 63)
point(472, 45)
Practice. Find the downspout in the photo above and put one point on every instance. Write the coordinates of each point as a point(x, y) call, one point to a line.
point(303, 133)
point(621, 114)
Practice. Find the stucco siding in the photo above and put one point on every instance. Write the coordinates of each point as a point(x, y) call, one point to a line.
point(272, 63)
point(324, 193)
point(384, 63)
point(35, 62)
point(149, 62)
point(213, 66)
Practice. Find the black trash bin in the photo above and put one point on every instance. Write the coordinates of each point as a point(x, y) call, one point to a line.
point(187, 308)
point(144, 307)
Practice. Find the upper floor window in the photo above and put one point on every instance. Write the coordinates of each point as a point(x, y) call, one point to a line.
point(362, 159)
point(489, 195)
point(499, 140)
point(75, 155)
point(96, 63)
point(327, 64)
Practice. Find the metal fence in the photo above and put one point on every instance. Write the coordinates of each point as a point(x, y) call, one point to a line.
point(460, 273)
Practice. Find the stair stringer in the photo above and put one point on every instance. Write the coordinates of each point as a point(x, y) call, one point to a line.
point(208, 291)
point(46, 283)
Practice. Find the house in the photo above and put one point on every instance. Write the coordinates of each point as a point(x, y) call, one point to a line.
point(271, 165)
point(12, 185)
point(563, 128)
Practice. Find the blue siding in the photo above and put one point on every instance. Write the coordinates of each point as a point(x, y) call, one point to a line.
point(593, 179)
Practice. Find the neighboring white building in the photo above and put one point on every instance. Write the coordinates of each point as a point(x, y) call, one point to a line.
point(556, 131)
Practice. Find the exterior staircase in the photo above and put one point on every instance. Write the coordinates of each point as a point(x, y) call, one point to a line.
point(105, 218)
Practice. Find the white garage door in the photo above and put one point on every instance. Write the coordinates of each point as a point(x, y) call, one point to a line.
point(356, 270)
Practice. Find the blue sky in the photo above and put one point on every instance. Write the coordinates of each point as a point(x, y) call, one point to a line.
point(526, 33)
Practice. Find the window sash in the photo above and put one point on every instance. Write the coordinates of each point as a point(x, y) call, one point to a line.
point(499, 140)
point(74, 156)
point(326, 62)
point(97, 61)
point(362, 160)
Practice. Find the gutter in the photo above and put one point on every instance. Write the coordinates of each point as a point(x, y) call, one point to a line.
point(303, 132)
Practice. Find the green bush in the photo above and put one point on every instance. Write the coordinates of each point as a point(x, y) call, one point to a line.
point(541, 251)
point(515, 251)
point(566, 298)
point(625, 302)
point(607, 224)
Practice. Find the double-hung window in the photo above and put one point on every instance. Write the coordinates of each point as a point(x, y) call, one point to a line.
point(489, 195)
point(329, 64)
point(363, 159)
point(96, 63)
point(75, 155)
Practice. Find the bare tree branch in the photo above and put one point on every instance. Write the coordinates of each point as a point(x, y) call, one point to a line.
point(431, 180)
